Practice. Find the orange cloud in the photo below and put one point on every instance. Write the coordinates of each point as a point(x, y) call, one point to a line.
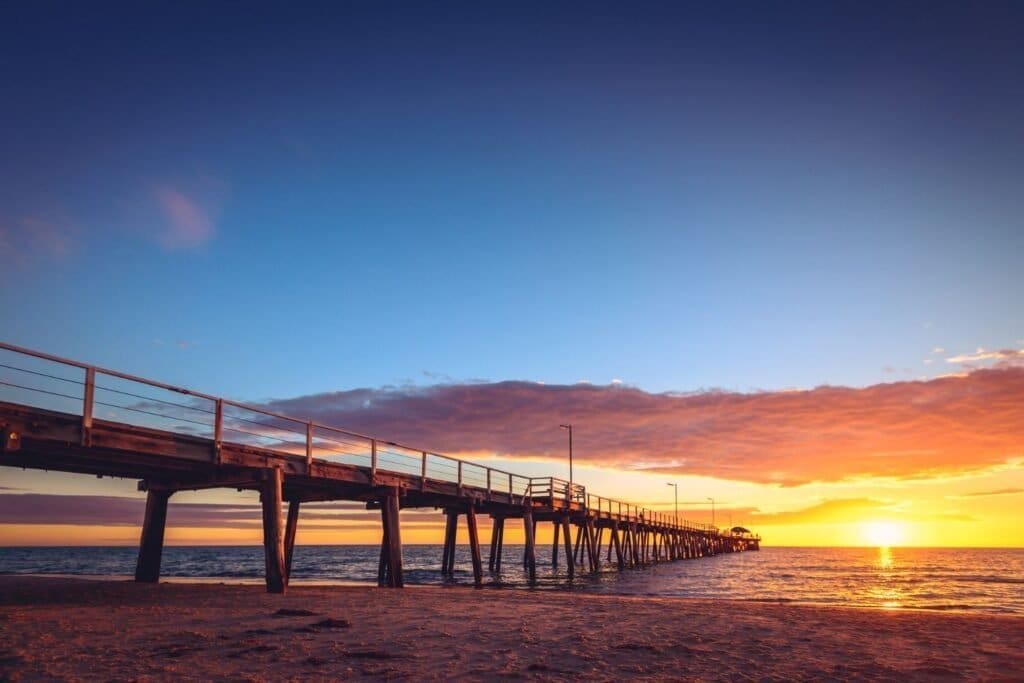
point(915, 429)
point(29, 239)
point(188, 223)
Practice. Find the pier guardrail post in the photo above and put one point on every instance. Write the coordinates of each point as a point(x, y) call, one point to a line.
point(309, 447)
point(373, 461)
point(87, 404)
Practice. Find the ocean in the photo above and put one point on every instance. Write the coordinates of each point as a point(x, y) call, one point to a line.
point(975, 580)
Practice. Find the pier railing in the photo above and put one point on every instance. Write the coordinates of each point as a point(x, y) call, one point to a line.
point(53, 383)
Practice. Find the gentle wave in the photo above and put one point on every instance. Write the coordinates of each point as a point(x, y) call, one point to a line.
point(975, 580)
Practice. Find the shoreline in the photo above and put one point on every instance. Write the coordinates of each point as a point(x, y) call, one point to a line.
point(514, 587)
point(67, 628)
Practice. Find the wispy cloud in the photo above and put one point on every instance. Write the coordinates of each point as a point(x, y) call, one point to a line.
point(913, 429)
point(28, 240)
point(994, 492)
point(187, 223)
point(88, 510)
point(982, 354)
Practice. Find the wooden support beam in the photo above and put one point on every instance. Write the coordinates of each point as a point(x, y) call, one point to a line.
point(273, 534)
point(569, 563)
point(289, 537)
point(497, 541)
point(474, 547)
point(529, 551)
point(450, 532)
point(151, 545)
point(383, 564)
point(554, 544)
point(587, 548)
point(617, 542)
point(577, 555)
point(87, 406)
point(394, 539)
point(493, 556)
point(595, 553)
point(217, 480)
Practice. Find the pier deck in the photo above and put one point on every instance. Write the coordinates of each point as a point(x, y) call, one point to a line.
point(62, 415)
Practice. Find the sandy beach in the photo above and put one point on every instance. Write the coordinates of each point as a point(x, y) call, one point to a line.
point(72, 629)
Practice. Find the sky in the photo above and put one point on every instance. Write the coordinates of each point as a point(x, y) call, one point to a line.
point(769, 251)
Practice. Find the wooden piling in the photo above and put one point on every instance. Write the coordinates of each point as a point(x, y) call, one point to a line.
point(570, 565)
point(151, 544)
point(289, 537)
point(383, 562)
point(273, 534)
point(394, 539)
point(474, 546)
point(529, 551)
point(616, 541)
point(450, 532)
point(554, 544)
point(493, 556)
point(595, 535)
point(501, 544)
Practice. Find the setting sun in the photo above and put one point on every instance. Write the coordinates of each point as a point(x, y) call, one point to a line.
point(884, 534)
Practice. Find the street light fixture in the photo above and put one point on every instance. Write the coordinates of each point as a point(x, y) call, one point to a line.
point(712, 511)
point(569, 427)
point(676, 487)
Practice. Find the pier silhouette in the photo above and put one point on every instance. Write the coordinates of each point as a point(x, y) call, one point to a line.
point(62, 415)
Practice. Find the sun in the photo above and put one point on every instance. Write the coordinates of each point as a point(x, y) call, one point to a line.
point(883, 534)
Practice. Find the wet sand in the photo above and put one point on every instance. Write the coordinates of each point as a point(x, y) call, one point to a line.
point(73, 629)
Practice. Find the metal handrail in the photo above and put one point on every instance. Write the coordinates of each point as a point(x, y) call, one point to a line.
point(555, 489)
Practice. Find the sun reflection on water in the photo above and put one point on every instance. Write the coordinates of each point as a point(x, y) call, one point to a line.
point(886, 593)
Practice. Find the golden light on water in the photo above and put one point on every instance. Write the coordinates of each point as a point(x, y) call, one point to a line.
point(884, 534)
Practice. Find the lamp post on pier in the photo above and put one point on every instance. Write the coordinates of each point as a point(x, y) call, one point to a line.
point(712, 511)
point(569, 427)
point(676, 487)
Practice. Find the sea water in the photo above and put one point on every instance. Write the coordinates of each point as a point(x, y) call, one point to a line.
point(979, 580)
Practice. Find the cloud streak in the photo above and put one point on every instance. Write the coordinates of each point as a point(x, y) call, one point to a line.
point(28, 240)
point(982, 354)
point(918, 429)
point(88, 510)
point(187, 223)
point(995, 492)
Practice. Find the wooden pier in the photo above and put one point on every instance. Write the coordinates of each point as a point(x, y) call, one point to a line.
point(62, 415)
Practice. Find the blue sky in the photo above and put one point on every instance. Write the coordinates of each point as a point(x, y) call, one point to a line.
point(262, 202)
